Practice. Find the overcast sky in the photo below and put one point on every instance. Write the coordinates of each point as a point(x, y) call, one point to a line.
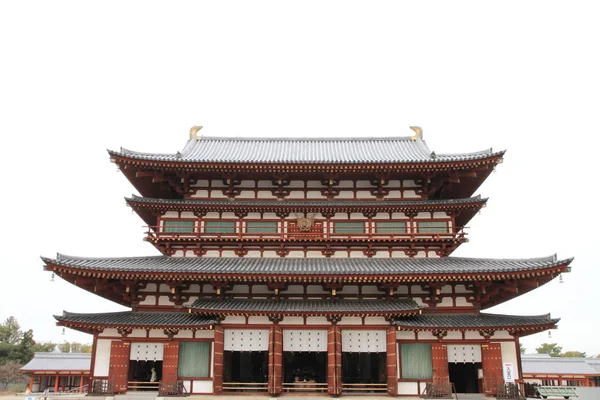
point(77, 78)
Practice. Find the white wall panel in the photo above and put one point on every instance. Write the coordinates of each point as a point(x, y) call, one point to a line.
point(246, 340)
point(304, 340)
point(146, 351)
point(363, 341)
point(464, 353)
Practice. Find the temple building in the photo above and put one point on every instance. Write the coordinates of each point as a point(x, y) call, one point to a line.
point(311, 265)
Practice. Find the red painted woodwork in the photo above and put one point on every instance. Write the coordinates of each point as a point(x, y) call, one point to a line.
point(275, 360)
point(315, 231)
point(492, 367)
point(392, 362)
point(334, 361)
point(119, 365)
point(170, 361)
point(218, 363)
point(439, 357)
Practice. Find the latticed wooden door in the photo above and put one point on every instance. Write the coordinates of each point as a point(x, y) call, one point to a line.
point(491, 355)
point(119, 365)
point(170, 362)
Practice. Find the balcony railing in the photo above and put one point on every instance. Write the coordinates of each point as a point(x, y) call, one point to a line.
point(285, 234)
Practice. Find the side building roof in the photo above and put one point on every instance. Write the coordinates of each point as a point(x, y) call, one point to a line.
point(50, 361)
point(534, 365)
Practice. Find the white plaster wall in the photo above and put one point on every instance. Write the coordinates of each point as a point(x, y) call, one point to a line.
point(185, 335)
point(446, 302)
point(426, 336)
point(102, 361)
point(292, 321)
point(473, 335)
point(109, 332)
point(375, 321)
point(509, 355)
point(138, 333)
point(453, 335)
point(462, 302)
point(155, 333)
point(203, 386)
point(351, 321)
point(461, 289)
point(408, 388)
point(259, 320)
point(148, 301)
point(205, 334)
point(314, 289)
point(317, 321)
point(502, 335)
point(164, 301)
point(405, 335)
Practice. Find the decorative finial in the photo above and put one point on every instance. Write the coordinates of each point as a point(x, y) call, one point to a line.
point(194, 132)
point(418, 133)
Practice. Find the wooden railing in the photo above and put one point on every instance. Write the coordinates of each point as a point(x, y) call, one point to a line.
point(171, 388)
point(439, 389)
point(101, 387)
point(135, 385)
point(359, 388)
point(245, 387)
point(154, 232)
point(508, 391)
point(305, 387)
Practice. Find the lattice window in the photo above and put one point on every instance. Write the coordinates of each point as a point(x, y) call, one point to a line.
point(390, 227)
point(432, 226)
point(261, 227)
point(178, 226)
point(219, 226)
point(348, 227)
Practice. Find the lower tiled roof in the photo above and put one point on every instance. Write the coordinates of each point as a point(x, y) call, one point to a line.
point(306, 266)
point(139, 319)
point(51, 361)
point(306, 307)
point(472, 321)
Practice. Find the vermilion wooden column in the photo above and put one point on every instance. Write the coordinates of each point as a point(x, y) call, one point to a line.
point(119, 365)
point(492, 367)
point(31, 383)
point(392, 362)
point(275, 360)
point(170, 362)
point(218, 363)
point(439, 361)
point(334, 361)
point(56, 383)
point(81, 383)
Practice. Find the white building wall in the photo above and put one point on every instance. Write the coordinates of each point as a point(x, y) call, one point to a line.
point(102, 361)
point(509, 355)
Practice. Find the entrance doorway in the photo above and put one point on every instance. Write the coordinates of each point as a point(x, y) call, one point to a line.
point(465, 377)
point(246, 366)
point(365, 368)
point(144, 375)
point(304, 372)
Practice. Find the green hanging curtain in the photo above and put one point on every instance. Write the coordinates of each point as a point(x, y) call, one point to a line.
point(194, 359)
point(416, 361)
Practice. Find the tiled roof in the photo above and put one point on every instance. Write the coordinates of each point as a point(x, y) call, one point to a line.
point(559, 365)
point(300, 307)
point(475, 321)
point(306, 266)
point(306, 204)
point(307, 151)
point(50, 361)
point(135, 319)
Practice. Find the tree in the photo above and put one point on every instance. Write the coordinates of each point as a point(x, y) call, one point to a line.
point(9, 373)
point(44, 347)
point(75, 347)
point(522, 349)
point(572, 353)
point(23, 351)
point(549, 348)
point(10, 331)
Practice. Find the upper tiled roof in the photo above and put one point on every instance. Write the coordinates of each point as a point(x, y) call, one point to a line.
point(300, 307)
point(306, 203)
point(463, 321)
point(306, 266)
point(50, 361)
point(135, 319)
point(307, 151)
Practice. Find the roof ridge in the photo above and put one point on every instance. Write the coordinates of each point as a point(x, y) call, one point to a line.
point(307, 138)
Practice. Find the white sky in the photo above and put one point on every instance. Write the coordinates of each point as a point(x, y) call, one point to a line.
point(78, 77)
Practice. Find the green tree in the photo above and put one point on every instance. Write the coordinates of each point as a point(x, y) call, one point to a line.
point(549, 348)
point(44, 347)
point(572, 353)
point(10, 331)
point(23, 351)
point(75, 347)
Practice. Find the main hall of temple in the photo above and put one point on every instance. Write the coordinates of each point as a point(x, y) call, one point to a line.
point(308, 265)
